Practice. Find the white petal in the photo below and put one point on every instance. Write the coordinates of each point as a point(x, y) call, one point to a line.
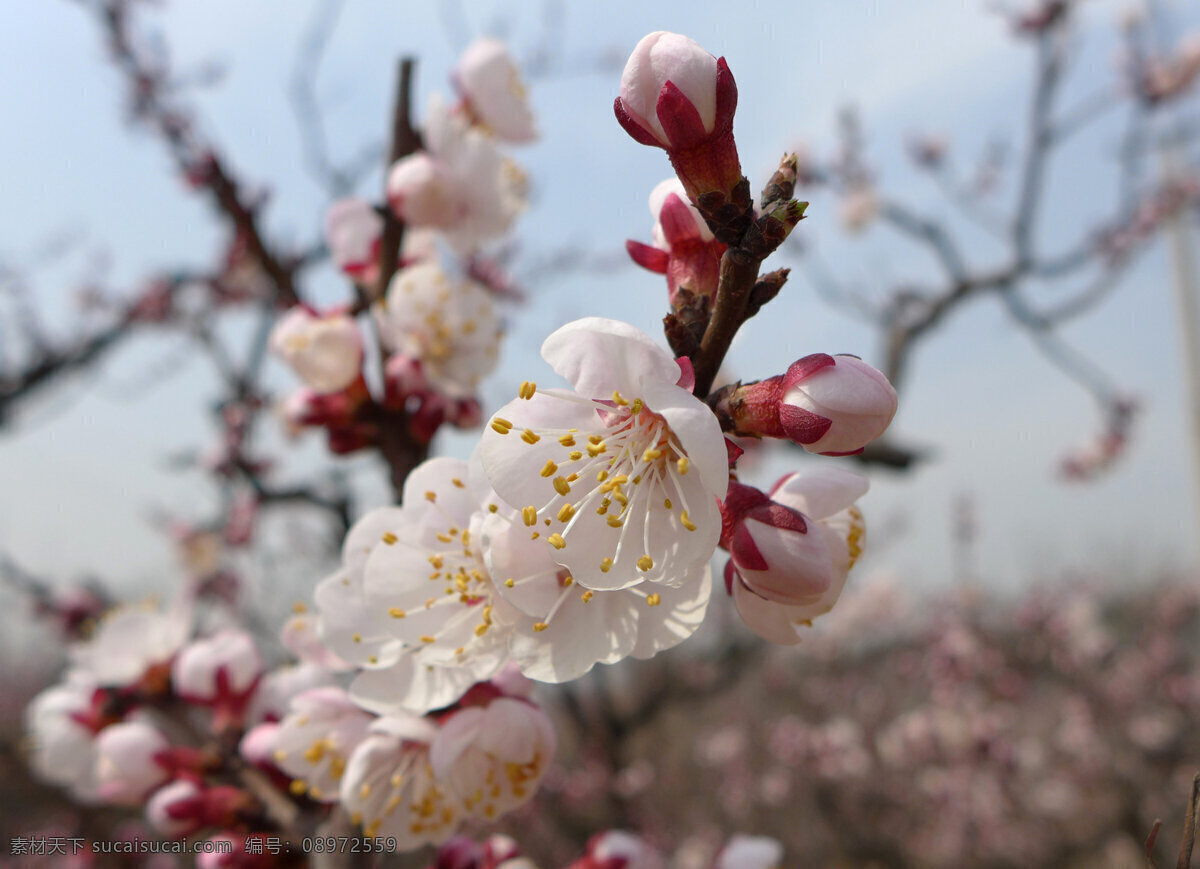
point(597, 355)
point(697, 429)
point(409, 686)
point(820, 493)
point(676, 617)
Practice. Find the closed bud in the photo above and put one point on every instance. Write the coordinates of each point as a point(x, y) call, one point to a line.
point(684, 248)
point(772, 548)
point(491, 84)
point(826, 499)
point(832, 405)
point(677, 96)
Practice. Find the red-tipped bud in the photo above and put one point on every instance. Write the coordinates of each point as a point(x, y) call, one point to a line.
point(677, 96)
point(772, 548)
point(684, 248)
point(832, 405)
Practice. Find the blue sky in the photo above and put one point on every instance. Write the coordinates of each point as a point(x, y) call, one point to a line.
point(84, 468)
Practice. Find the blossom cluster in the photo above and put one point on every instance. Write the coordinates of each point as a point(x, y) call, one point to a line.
point(436, 324)
point(580, 531)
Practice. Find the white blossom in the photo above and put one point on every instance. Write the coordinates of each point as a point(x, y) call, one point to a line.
point(620, 478)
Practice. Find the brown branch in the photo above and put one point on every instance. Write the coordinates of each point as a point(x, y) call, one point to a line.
point(1189, 826)
point(739, 272)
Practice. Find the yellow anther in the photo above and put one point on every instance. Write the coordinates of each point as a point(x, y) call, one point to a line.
point(509, 583)
point(357, 638)
point(556, 540)
point(636, 479)
point(667, 503)
point(487, 615)
point(540, 626)
point(492, 508)
point(425, 638)
point(436, 561)
point(596, 449)
point(606, 565)
point(372, 659)
point(562, 486)
point(565, 512)
point(397, 613)
point(480, 630)
point(458, 484)
point(445, 538)
point(280, 755)
point(571, 478)
point(364, 791)
point(586, 596)
point(534, 536)
point(299, 607)
point(298, 787)
point(595, 439)
point(651, 454)
point(645, 563)
point(529, 515)
point(601, 476)
point(638, 404)
point(567, 440)
point(528, 388)
point(389, 538)
point(686, 522)
point(615, 522)
point(530, 436)
point(431, 496)
point(683, 464)
point(568, 581)
point(546, 522)
point(575, 455)
point(653, 599)
point(619, 399)
point(501, 426)
point(549, 469)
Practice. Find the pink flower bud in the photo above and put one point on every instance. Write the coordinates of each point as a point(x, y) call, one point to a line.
point(832, 405)
point(684, 248)
point(825, 498)
point(772, 548)
point(353, 230)
point(677, 96)
point(221, 671)
point(423, 192)
point(491, 84)
point(129, 761)
point(174, 811)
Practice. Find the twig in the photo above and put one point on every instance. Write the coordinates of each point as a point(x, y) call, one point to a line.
point(1189, 826)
